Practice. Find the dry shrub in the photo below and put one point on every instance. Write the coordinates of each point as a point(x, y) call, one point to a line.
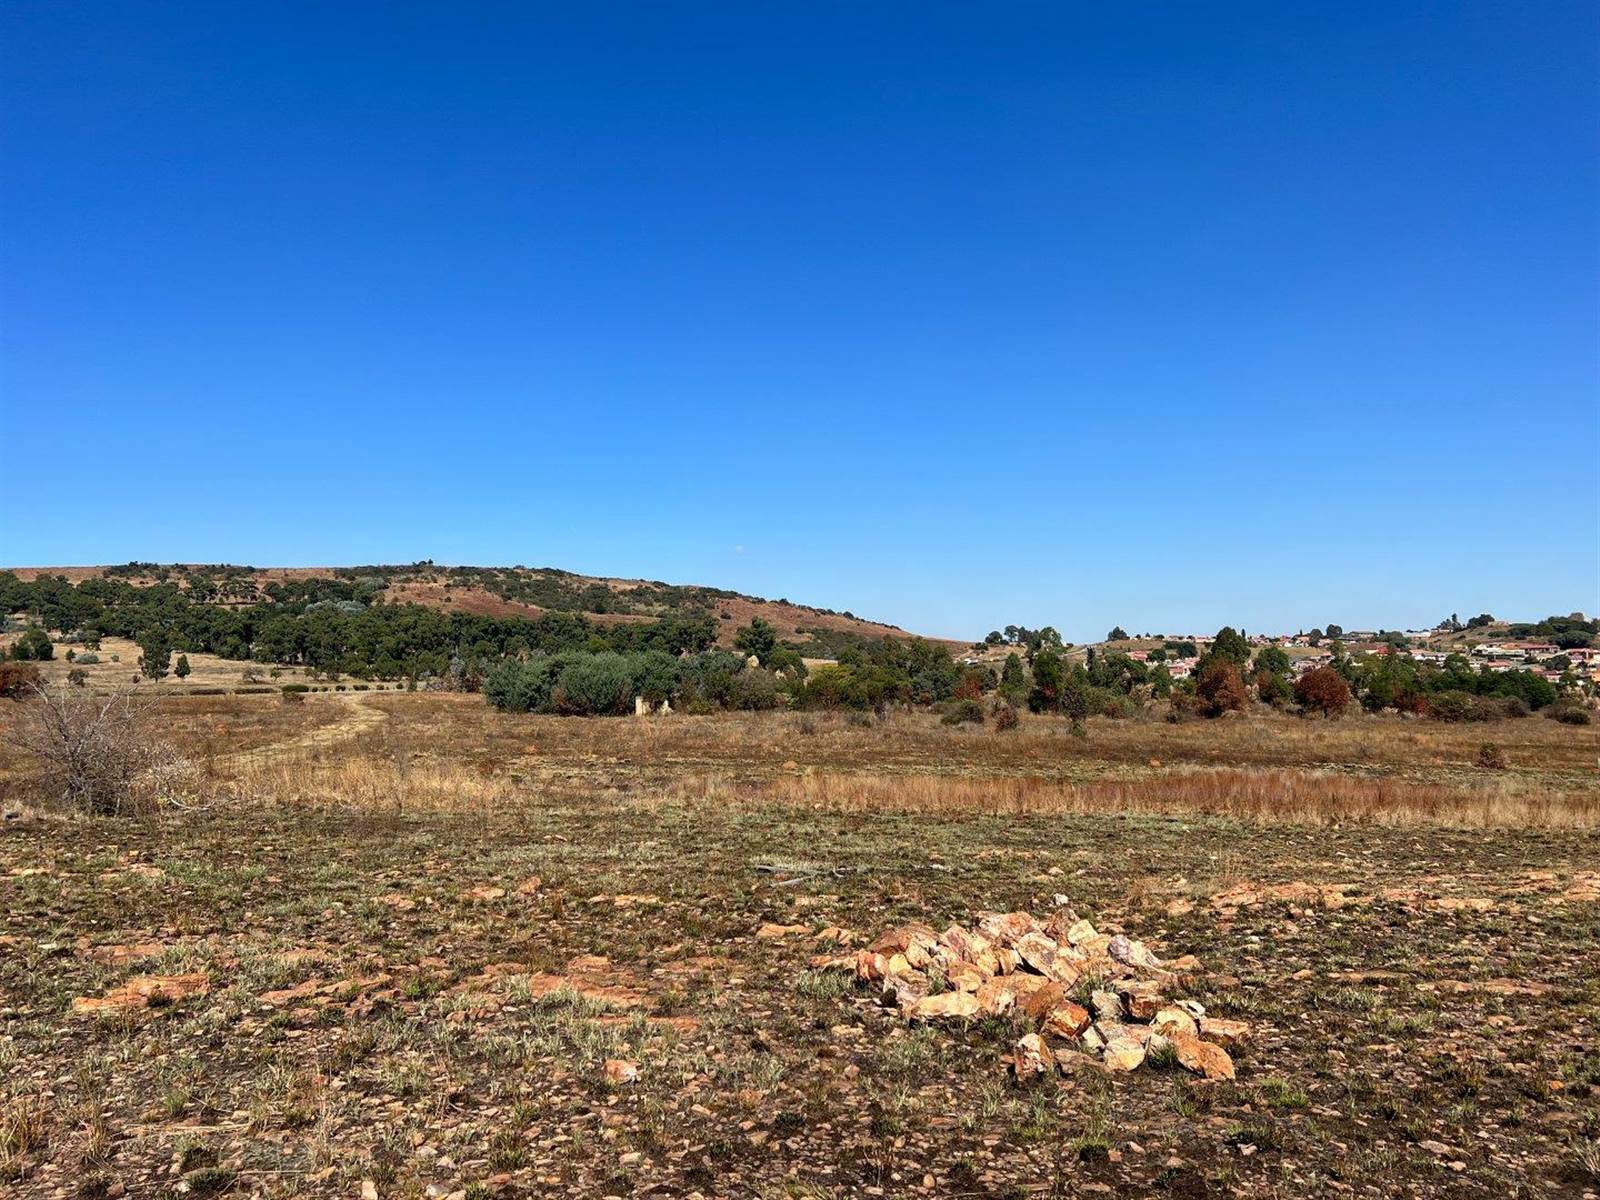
point(1323, 690)
point(23, 1133)
point(96, 754)
point(1308, 797)
point(18, 680)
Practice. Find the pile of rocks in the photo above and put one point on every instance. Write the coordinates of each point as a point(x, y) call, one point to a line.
point(1014, 963)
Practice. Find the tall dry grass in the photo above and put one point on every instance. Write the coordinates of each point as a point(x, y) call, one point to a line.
point(1274, 796)
point(1278, 796)
point(371, 783)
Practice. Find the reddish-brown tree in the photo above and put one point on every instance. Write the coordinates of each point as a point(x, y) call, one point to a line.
point(1323, 690)
point(1221, 688)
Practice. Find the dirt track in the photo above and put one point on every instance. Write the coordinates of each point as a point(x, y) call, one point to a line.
point(357, 718)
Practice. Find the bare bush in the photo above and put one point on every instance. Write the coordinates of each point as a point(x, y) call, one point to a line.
point(96, 754)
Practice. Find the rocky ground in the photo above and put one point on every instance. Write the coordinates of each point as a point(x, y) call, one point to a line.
point(615, 997)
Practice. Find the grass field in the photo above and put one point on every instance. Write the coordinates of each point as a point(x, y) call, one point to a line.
point(414, 932)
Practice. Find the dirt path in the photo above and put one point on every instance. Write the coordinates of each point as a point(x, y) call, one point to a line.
point(357, 718)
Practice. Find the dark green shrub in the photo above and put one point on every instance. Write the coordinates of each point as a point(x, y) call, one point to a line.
point(33, 646)
point(595, 685)
point(1569, 712)
point(963, 712)
point(1452, 706)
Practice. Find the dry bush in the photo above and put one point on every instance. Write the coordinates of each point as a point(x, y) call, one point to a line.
point(18, 680)
point(96, 754)
point(1323, 690)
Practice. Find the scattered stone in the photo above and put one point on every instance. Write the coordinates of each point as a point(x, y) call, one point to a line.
point(144, 991)
point(1013, 962)
point(620, 1071)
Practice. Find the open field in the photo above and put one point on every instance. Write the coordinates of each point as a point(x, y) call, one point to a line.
point(414, 931)
point(118, 663)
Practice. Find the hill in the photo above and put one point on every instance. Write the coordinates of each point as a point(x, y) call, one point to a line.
point(505, 592)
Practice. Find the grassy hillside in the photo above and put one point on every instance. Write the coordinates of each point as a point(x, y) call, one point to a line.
point(501, 592)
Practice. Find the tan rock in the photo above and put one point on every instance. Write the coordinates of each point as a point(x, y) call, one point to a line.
point(1123, 1054)
point(901, 938)
point(945, 1006)
point(995, 997)
point(484, 894)
point(620, 1071)
point(1038, 1003)
point(1044, 956)
point(1031, 1057)
point(966, 977)
point(1080, 932)
point(1106, 1004)
point(1173, 1021)
point(770, 931)
point(870, 966)
point(1225, 1033)
point(904, 991)
point(1141, 999)
point(1066, 1019)
point(1133, 953)
point(288, 995)
point(122, 955)
point(1006, 928)
point(530, 886)
point(144, 991)
point(1204, 1058)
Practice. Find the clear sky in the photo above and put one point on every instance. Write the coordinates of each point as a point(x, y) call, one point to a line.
point(951, 315)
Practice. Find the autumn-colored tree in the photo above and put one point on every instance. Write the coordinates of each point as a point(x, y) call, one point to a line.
point(18, 680)
point(1323, 690)
point(1221, 688)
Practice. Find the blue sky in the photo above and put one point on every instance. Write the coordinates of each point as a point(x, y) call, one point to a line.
point(951, 315)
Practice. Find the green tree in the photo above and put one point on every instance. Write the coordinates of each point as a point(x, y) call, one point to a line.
point(1013, 683)
point(758, 638)
point(1049, 676)
point(33, 646)
point(1271, 676)
point(1117, 634)
point(1228, 646)
point(155, 653)
point(181, 667)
